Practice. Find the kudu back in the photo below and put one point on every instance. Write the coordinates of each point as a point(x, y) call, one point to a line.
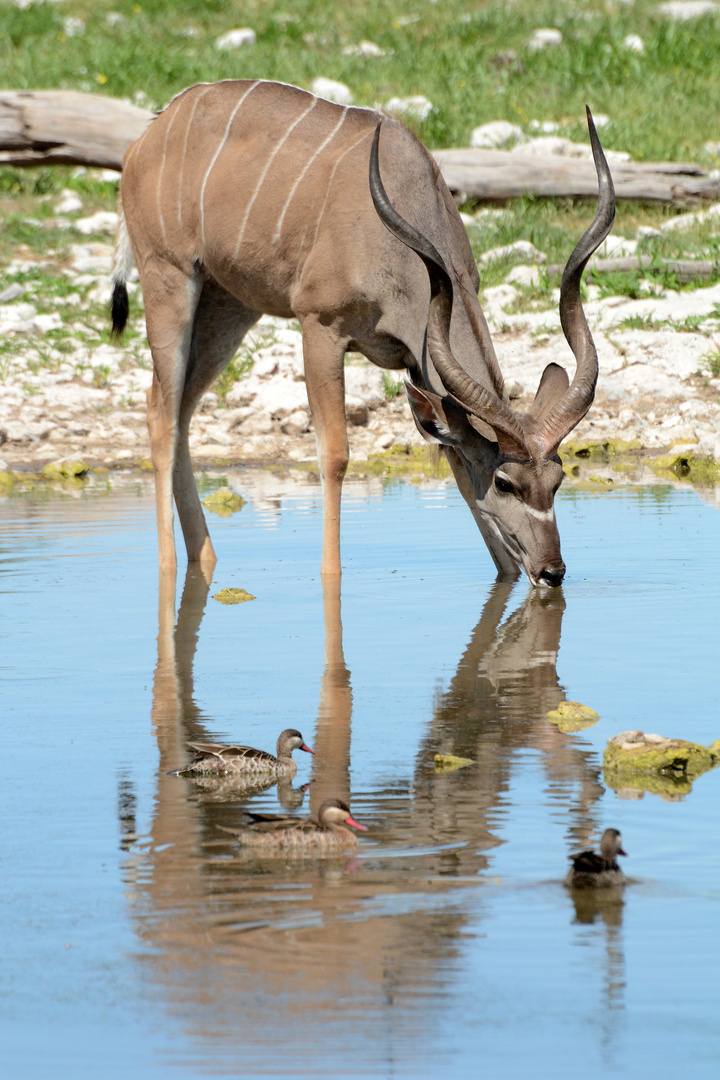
point(247, 198)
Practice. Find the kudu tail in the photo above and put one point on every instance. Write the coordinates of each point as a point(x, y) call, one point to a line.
point(122, 265)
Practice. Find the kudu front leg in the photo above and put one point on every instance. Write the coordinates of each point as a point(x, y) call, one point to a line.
point(170, 302)
point(324, 356)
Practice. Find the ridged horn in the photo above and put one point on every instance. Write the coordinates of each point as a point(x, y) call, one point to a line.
point(477, 399)
point(576, 401)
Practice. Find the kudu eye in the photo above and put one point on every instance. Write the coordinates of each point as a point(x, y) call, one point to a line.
point(504, 486)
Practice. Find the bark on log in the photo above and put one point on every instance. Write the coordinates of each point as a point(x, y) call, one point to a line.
point(68, 127)
point(499, 175)
point(685, 270)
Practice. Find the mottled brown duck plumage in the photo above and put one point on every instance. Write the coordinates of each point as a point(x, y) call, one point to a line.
point(218, 759)
point(592, 871)
point(280, 834)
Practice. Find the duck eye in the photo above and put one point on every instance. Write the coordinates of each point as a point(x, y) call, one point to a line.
point(504, 486)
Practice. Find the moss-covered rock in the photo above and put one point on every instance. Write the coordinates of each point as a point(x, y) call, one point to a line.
point(449, 762)
point(7, 481)
point(687, 466)
point(224, 502)
point(666, 767)
point(145, 465)
point(64, 470)
point(233, 596)
point(601, 451)
point(572, 716)
point(407, 461)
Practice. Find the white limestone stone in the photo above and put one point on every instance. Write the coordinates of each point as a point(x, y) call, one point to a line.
point(332, 90)
point(236, 39)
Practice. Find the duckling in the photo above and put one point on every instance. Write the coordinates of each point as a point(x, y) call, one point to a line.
point(216, 759)
point(592, 871)
point(280, 834)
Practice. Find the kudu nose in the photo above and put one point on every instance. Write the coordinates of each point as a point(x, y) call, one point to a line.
point(552, 576)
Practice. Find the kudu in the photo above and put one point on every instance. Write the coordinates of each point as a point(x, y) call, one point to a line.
point(244, 198)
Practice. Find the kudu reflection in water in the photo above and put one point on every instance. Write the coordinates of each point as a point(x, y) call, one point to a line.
point(231, 938)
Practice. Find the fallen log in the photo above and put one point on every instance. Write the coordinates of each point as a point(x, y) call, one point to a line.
point(68, 127)
point(685, 270)
point(497, 175)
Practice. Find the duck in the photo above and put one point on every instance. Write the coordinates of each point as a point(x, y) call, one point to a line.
point(592, 871)
point(282, 834)
point(218, 759)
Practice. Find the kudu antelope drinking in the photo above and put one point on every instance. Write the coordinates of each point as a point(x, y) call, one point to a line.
point(244, 198)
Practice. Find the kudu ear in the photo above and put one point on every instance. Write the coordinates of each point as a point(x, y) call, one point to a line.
point(429, 415)
point(554, 383)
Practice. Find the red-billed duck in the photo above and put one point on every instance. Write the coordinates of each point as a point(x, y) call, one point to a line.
point(215, 758)
point(278, 834)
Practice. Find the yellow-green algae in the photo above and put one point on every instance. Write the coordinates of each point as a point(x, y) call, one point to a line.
point(64, 470)
point(634, 761)
point(7, 481)
point(572, 716)
point(697, 470)
point(402, 460)
point(604, 450)
point(224, 502)
point(145, 465)
point(233, 596)
point(449, 762)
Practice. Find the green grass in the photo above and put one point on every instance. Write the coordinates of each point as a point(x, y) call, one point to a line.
point(664, 104)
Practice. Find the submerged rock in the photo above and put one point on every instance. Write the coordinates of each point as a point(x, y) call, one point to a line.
point(572, 716)
point(449, 762)
point(64, 470)
point(233, 596)
point(636, 761)
point(224, 502)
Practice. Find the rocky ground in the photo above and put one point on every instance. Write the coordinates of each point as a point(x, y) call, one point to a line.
point(67, 393)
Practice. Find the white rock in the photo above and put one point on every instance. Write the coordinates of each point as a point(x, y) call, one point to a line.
point(235, 39)
point(332, 90)
point(356, 411)
point(12, 292)
point(647, 232)
point(544, 37)
point(634, 43)
point(104, 221)
point(614, 247)
point(547, 127)
point(70, 202)
point(265, 366)
point(364, 48)
point(279, 399)
point(43, 323)
point(682, 10)
point(524, 275)
point(365, 382)
point(297, 423)
point(416, 106)
point(496, 133)
point(498, 297)
point(73, 27)
point(522, 248)
point(559, 146)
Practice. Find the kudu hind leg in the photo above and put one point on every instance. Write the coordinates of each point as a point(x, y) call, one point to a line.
point(170, 302)
point(221, 322)
point(325, 379)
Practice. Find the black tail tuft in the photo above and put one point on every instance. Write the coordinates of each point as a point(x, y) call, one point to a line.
point(119, 308)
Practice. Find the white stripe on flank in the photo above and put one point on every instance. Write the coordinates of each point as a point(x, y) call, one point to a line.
point(264, 172)
point(216, 155)
point(541, 515)
point(332, 177)
point(160, 177)
point(181, 173)
point(308, 163)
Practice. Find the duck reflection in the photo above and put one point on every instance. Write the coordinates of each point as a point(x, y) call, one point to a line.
point(235, 941)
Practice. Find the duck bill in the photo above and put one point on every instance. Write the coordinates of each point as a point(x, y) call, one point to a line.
point(307, 749)
point(621, 852)
point(356, 824)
